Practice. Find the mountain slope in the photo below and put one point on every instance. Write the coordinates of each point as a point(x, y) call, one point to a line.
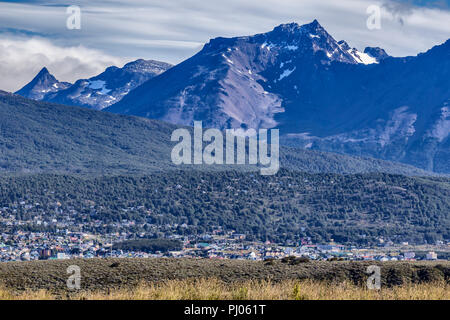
point(97, 92)
point(321, 94)
point(397, 110)
point(44, 137)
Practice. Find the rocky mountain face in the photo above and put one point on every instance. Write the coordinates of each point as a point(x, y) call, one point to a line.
point(397, 110)
point(376, 52)
point(97, 92)
point(233, 83)
point(322, 94)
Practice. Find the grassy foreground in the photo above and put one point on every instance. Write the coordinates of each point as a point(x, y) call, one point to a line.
point(213, 289)
point(188, 279)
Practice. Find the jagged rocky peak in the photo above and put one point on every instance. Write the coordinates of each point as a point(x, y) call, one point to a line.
point(43, 72)
point(289, 41)
point(289, 33)
point(312, 37)
point(292, 27)
point(43, 83)
point(377, 53)
point(295, 28)
point(295, 33)
point(310, 40)
point(314, 27)
point(44, 76)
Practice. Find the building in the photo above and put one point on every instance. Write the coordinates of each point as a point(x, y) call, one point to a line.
point(431, 255)
point(409, 255)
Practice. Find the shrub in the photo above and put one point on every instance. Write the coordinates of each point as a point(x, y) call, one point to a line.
point(299, 260)
point(269, 262)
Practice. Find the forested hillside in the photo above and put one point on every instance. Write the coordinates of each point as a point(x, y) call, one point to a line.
point(39, 137)
point(289, 206)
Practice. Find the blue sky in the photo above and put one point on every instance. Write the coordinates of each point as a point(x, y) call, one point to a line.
point(33, 34)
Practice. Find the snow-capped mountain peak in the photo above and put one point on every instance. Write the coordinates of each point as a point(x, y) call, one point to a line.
point(369, 56)
point(362, 57)
point(235, 79)
point(314, 37)
point(97, 92)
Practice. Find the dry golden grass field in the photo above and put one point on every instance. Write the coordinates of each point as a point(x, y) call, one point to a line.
point(193, 279)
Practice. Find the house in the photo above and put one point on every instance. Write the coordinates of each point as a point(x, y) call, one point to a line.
point(432, 255)
point(409, 255)
point(239, 236)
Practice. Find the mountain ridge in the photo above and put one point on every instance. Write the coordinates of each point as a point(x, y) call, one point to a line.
point(97, 92)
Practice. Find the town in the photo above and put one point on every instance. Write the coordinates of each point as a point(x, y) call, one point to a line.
point(26, 246)
point(31, 231)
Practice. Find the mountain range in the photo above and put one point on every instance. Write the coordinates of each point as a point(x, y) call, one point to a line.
point(97, 92)
point(321, 93)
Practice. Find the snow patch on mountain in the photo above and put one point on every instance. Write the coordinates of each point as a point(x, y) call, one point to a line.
point(99, 85)
point(267, 46)
point(96, 84)
point(362, 57)
point(441, 129)
point(226, 58)
point(286, 73)
point(400, 125)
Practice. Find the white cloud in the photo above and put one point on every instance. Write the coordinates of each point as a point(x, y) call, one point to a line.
point(21, 59)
